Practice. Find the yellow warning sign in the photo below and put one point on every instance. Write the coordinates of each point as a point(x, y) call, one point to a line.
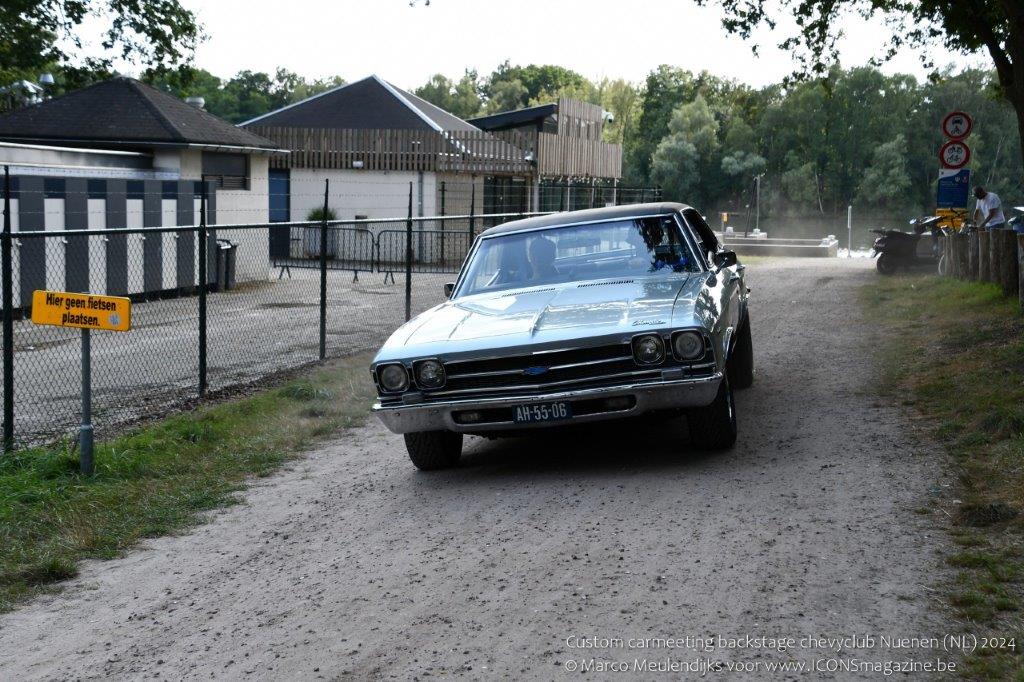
point(86, 311)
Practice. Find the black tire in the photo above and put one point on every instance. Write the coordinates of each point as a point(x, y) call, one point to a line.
point(740, 366)
point(430, 450)
point(714, 427)
point(886, 264)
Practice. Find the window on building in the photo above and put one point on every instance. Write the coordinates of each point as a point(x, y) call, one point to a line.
point(226, 171)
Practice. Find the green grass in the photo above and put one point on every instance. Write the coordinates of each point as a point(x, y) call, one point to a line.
point(954, 352)
point(160, 478)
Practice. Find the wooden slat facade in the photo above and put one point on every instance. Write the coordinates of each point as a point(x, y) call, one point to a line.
point(474, 152)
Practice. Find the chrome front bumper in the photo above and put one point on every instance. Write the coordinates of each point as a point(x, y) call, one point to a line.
point(438, 416)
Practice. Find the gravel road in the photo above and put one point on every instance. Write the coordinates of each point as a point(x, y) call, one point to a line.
point(352, 564)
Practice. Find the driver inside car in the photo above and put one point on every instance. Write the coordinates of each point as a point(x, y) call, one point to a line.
point(542, 252)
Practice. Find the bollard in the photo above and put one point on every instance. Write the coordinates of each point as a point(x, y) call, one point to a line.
point(972, 256)
point(983, 260)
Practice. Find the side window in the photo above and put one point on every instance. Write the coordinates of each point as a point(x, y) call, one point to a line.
point(706, 238)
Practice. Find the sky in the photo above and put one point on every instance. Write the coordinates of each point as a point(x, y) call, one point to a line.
point(406, 45)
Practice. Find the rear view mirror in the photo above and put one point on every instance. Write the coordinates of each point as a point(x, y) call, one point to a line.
point(449, 288)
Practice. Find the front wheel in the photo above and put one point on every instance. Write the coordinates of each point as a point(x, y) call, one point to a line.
point(430, 450)
point(886, 264)
point(714, 427)
point(740, 366)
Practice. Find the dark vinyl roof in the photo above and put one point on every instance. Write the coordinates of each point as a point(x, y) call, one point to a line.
point(123, 112)
point(586, 215)
point(370, 103)
point(511, 119)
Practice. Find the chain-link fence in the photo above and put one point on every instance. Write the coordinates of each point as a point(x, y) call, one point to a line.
point(214, 306)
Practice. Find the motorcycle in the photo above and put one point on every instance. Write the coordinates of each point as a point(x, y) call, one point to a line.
point(896, 249)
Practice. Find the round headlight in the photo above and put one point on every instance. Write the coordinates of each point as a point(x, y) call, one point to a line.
point(393, 378)
point(430, 374)
point(648, 350)
point(688, 345)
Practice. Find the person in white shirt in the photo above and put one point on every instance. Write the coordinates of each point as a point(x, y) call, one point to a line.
point(991, 209)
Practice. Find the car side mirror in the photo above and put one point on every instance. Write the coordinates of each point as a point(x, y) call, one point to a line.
point(725, 259)
point(449, 288)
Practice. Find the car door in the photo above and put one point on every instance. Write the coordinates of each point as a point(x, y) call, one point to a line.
point(727, 289)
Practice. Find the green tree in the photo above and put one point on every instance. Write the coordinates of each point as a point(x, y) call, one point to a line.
point(535, 79)
point(686, 155)
point(964, 26)
point(43, 34)
point(461, 98)
point(885, 180)
point(506, 96)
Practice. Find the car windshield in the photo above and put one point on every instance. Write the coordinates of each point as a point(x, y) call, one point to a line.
point(621, 248)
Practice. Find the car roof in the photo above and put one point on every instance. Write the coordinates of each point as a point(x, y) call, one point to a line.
point(587, 215)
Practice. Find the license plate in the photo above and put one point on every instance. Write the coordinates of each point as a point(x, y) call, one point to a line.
point(542, 412)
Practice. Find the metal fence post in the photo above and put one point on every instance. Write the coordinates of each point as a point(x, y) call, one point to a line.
point(444, 255)
point(472, 212)
point(203, 280)
point(85, 432)
point(408, 260)
point(8, 303)
point(323, 273)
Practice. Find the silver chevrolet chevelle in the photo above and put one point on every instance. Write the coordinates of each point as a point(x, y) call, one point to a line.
point(572, 318)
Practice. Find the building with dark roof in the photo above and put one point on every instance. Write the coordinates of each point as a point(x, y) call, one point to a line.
point(371, 139)
point(122, 154)
point(123, 113)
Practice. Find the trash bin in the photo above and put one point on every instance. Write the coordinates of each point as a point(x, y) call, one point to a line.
point(227, 253)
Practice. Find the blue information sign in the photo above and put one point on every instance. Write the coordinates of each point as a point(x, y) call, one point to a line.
point(954, 188)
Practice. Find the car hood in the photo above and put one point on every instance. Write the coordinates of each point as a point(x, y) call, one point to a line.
point(551, 314)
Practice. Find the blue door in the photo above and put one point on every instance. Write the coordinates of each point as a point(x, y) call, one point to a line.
point(280, 212)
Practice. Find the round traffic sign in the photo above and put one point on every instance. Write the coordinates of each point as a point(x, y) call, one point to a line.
point(957, 125)
point(955, 154)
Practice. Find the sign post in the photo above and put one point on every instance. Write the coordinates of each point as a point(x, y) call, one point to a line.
point(85, 312)
point(953, 187)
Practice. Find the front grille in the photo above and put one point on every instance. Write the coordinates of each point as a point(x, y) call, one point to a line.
point(536, 373)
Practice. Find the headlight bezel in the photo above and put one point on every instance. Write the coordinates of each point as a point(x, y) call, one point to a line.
point(640, 338)
point(382, 368)
point(703, 348)
point(417, 369)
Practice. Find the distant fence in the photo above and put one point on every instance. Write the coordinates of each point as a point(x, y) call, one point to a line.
point(995, 256)
point(274, 296)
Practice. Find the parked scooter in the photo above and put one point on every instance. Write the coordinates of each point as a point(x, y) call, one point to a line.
point(896, 249)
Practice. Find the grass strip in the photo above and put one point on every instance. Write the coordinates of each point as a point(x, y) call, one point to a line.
point(160, 478)
point(954, 352)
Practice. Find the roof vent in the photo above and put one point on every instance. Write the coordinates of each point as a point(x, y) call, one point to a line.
point(197, 102)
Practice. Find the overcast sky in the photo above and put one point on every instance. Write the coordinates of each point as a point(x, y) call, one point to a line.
point(406, 45)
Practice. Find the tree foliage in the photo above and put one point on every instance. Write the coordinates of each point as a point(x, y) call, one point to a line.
point(244, 96)
point(35, 35)
point(965, 26)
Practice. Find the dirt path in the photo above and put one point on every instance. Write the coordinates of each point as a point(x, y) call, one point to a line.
point(354, 564)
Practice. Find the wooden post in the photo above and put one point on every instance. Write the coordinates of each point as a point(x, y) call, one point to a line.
point(972, 256)
point(1020, 269)
point(963, 260)
point(983, 261)
point(954, 255)
point(947, 255)
point(1008, 277)
point(993, 256)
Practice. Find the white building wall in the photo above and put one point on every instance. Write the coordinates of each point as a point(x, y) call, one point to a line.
point(248, 207)
point(374, 194)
